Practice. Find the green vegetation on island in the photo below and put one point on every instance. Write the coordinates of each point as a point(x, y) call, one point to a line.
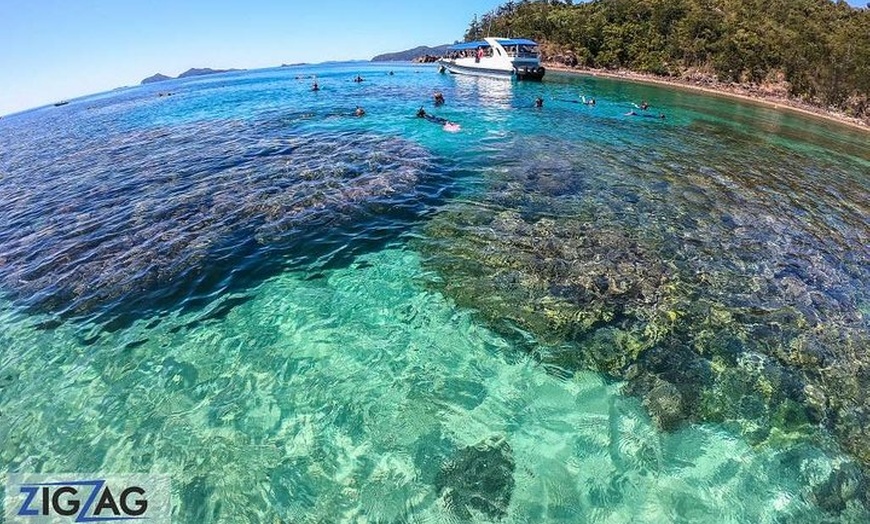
point(816, 51)
point(412, 54)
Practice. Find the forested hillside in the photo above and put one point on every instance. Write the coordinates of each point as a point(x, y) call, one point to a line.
point(815, 50)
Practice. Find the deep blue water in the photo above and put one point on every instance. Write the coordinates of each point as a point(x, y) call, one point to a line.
point(563, 314)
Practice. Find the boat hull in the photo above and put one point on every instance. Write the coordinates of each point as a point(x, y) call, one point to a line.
point(535, 73)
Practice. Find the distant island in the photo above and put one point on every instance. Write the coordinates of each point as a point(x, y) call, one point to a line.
point(190, 72)
point(156, 78)
point(418, 54)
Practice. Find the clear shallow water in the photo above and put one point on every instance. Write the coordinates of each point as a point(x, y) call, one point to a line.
point(287, 343)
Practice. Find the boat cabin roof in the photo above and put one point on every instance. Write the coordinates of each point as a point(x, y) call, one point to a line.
point(464, 46)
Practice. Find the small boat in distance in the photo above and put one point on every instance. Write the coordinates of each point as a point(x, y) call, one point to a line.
point(495, 57)
point(61, 103)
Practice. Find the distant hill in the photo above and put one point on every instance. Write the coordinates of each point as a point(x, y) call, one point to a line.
point(204, 71)
point(411, 54)
point(156, 78)
point(193, 71)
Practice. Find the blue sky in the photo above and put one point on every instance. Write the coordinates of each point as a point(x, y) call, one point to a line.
point(52, 49)
point(58, 49)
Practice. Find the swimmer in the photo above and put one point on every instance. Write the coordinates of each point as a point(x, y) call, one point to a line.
point(643, 106)
point(359, 111)
point(449, 126)
point(590, 102)
point(539, 102)
point(439, 98)
point(660, 116)
point(358, 79)
point(315, 87)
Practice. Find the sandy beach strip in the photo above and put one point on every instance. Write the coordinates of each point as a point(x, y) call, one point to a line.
point(721, 90)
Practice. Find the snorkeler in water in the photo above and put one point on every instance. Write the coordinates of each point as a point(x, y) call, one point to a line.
point(439, 98)
point(315, 87)
point(359, 111)
point(448, 125)
point(660, 116)
point(539, 102)
point(590, 102)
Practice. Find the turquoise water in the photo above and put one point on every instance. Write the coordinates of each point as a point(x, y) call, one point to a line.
point(303, 316)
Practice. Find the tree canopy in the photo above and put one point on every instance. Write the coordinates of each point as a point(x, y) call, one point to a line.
point(818, 49)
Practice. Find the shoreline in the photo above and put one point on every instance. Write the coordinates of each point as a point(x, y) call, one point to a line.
point(723, 90)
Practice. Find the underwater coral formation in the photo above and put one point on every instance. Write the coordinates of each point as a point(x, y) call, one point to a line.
point(150, 218)
point(724, 296)
point(479, 478)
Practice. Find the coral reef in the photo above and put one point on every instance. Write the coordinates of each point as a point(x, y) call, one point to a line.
point(480, 478)
point(717, 294)
point(199, 208)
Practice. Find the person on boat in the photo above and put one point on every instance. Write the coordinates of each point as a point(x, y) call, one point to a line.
point(439, 98)
point(479, 54)
point(359, 111)
point(539, 102)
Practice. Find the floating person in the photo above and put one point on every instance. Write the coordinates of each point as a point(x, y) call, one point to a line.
point(660, 116)
point(358, 79)
point(590, 102)
point(391, 73)
point(359, 111)
point(439, 98)
point(539, 102)
point(315, 87)
point(643, 105)
point(449, 126)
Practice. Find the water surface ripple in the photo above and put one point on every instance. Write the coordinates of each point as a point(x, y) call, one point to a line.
point(145, 219)
point(566, 314)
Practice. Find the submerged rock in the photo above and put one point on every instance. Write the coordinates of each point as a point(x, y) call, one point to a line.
point(478, 478)
point(846, 484)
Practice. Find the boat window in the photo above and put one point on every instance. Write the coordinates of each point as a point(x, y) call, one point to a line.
point(498, 51)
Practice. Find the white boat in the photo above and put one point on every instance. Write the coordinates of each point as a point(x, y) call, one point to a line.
point(495, 57)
